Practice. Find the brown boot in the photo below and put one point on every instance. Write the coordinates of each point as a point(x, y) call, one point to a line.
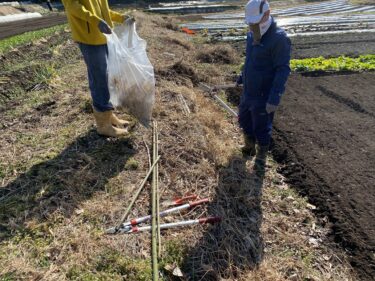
point(104, 125)
point(260, 159)
point(248, 150)
point(118, 122)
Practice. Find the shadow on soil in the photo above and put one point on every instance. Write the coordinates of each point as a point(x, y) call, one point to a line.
point(57, 186)
point(235, 244)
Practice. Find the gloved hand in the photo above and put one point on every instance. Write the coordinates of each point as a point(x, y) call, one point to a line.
point(129, 19)
point(270, 108)
point(104, 27)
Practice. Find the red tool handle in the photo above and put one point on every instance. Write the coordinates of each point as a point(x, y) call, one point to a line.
point(210, 220)
point(179, 201)
point(196, 203)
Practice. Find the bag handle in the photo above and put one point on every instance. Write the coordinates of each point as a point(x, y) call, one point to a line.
point(131, 35)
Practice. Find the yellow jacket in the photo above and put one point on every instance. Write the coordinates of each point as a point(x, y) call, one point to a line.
point(84, 16)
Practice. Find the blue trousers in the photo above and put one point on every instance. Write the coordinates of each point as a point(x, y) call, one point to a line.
point(96, 57)
point(256, 123)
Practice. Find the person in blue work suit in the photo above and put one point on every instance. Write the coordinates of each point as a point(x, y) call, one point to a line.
point(264, 76)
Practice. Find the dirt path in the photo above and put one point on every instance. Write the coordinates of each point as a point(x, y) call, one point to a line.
point(325, 136)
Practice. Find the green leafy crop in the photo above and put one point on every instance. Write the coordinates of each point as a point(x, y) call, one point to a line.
point(342, 63)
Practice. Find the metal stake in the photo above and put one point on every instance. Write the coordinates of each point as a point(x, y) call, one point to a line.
point(155, 266)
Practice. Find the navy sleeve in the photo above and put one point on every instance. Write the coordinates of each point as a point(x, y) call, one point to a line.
point(248, 43)
point(280, 59)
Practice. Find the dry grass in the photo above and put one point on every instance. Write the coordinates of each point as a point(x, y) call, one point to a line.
point(62, 185)
point(218, 54)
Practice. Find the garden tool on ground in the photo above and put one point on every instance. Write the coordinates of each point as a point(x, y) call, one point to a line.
point(127, 226)
point(212, 90)
point(179, 201)
point(135, 229)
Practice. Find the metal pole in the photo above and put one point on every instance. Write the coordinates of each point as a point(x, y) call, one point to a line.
point(211, 90)
point(155, 269)
point(158, 196)
point(227, 107)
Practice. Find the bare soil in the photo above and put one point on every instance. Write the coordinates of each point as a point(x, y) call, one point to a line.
point(23, 67)
point(324, 136)
point(334, 45)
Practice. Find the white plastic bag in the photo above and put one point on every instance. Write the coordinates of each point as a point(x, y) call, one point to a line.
point(131, 79)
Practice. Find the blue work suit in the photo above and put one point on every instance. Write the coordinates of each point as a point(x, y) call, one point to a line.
point(264, 76)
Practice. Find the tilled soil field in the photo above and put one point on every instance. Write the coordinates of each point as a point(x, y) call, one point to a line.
point(333, 45)
point(13, 28)
point(325, 136)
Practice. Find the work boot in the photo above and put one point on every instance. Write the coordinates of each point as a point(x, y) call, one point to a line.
point(260, 159)
point(104, 125)
point(118, 122)
point(248, 149)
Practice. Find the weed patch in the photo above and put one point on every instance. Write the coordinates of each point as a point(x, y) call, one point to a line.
point(133, 269)
point(18, 40)
point(131, 164)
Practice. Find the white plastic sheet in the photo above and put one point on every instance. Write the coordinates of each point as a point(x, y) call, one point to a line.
point(131, 77)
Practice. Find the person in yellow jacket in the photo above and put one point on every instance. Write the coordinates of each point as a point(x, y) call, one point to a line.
point(88, 20)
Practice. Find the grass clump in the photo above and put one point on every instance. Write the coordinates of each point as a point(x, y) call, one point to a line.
point(14, 41)
point(175, 252)
point(8, 277)
point(45, 74)
point(131, 164)
point(115, 263)
point(173, 257)
point(111, 265)
point(342, 63)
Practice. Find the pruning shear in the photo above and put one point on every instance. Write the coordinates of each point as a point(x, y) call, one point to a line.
point(128, 226)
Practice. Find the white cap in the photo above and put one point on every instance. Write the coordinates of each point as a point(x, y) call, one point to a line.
point(254, 10)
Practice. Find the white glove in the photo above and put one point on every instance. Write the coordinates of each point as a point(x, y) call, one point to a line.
point(129, 20)
point(270, 108)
